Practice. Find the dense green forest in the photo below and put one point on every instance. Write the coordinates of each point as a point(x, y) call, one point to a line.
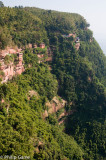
point(76, 75)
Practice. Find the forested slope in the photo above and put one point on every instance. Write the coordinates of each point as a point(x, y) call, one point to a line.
point(76, 75)
point(20, 27)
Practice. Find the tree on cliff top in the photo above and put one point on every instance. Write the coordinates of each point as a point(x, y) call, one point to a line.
point(1, 4)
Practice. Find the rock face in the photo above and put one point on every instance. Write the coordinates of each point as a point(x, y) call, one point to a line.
point(57, 105)
point(77, 46)
point(35, 46)
point(40, 55)
point(9, 70)
point(19, 67)
point(53, 106)
point(7, 51)
point(42, 45)
point(29, 45)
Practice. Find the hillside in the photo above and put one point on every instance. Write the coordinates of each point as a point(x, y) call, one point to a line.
point(55, 109)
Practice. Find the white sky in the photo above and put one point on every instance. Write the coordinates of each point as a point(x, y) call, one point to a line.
point(94, 11)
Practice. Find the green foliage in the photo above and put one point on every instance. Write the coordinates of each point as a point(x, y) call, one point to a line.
point(30, 59)
point(22, 27)
point(94, 54)
point(23, 131)
point(43, 81)
point(8, 59)
point(5, 37)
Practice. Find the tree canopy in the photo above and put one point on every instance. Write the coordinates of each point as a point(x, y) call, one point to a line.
point(1, 4)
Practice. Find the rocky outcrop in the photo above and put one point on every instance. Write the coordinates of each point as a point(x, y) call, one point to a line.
point(42, 45)
point(69, 35)
point(19, 67)
point(62, 116)
point(49, 59)
point(40, 55)
point(77, 46)
point(9, 50)
point(33, 93)
point(53, 106)
point(45, 57)
point(10, 69)
point(57, 105)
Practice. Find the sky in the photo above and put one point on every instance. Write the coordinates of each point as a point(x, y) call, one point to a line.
point(94, 11)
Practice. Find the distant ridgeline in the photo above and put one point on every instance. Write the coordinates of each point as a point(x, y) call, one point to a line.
point(53, 86)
